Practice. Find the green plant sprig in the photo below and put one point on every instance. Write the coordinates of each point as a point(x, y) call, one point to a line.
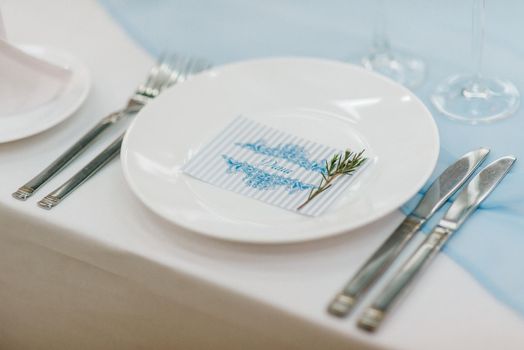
point(340, 164)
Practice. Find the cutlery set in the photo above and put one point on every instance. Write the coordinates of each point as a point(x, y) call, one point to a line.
point(169, 70)
point(173, 69)
point(438, 193)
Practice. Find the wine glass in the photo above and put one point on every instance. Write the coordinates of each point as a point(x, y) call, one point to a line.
point(406, 69)
point(473, 98)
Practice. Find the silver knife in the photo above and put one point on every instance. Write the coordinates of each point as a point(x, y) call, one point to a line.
point(467, 201)
point(438, 193)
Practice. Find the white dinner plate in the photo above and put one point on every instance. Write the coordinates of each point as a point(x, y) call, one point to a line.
point(18, 126)
point(329, 102)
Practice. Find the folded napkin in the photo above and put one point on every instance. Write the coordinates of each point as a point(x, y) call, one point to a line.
point(26, 81)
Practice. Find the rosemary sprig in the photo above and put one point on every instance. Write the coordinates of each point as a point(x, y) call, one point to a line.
point(340, 164)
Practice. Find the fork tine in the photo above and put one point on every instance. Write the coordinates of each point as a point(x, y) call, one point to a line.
point(160, 73)
point(177, 63)
point(171, 69)
point(202, 65)
point(186, 67)
point(155, 71)
point(167, 70)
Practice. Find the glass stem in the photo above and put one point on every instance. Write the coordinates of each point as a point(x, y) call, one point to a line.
point(380, 38)
point(477, 50)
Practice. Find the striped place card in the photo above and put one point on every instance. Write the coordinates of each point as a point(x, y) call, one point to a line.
point(268, 165)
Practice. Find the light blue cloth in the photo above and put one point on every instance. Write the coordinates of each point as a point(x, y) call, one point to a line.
point(491, 243)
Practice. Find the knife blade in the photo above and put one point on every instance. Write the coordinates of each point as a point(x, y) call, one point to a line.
point(464, 205)
point(438, 193)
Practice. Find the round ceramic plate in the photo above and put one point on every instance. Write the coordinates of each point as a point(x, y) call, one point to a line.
point(18, 126)
point(332, 103)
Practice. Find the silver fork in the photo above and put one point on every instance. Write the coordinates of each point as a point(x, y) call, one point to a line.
point(185, 69)
point(157, 78)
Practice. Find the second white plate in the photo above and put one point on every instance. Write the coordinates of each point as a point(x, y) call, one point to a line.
point(329, 102)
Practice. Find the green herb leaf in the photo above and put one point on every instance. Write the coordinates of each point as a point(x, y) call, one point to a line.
point(340, 164)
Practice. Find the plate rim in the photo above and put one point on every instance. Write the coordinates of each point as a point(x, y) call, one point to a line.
point(334, 230)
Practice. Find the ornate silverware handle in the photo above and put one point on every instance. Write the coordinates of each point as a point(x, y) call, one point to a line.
point(65, 158)
point(373, 268)
point(448, 182)
point(463, 206)
point(55, 197)
point(425, 253)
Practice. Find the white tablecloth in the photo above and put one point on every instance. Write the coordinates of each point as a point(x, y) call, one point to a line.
point(102, 272)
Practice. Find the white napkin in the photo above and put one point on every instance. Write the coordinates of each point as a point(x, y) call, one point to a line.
point(26, 82)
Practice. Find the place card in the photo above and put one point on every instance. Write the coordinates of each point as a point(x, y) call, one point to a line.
point(268, 165)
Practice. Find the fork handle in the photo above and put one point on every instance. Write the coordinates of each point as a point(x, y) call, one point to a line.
point(65, 158)
point(55, 197)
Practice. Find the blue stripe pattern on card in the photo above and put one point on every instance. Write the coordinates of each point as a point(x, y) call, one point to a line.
point(268, 165)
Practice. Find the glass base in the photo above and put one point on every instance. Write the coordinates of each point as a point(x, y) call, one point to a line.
point(476, 100)
point(404, 69)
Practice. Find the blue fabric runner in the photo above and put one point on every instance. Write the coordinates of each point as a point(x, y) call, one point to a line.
point(491, 244)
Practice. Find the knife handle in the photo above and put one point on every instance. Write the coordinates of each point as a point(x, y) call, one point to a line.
point(427, 250)
point(374, 267)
